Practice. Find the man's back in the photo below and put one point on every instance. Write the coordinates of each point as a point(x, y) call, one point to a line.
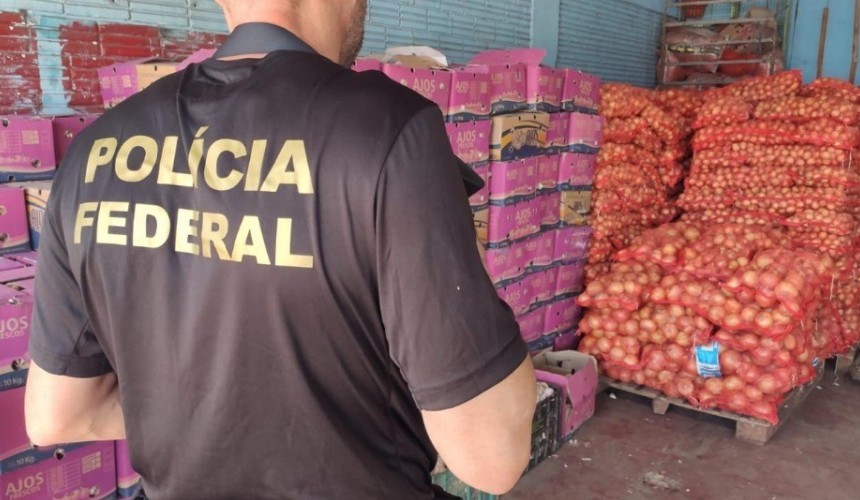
point(231, 231)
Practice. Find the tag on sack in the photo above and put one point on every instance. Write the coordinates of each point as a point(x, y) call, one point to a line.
point(708, 360)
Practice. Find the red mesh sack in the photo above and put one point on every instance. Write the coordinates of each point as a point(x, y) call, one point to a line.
point(723, 111)
point(804, 109)
point(761, 88)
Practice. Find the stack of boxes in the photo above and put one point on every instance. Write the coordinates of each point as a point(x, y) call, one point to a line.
point(539, 190)
point(532, 133)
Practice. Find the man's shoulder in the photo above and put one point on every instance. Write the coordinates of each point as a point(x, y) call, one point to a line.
point(375, 97)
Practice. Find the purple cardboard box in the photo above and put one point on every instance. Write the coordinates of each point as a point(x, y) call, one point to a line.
point(122, 80)
point(66, 129)
point(571, 278)
point(547, 175)
point(543, 284)
point(13, 433)
point(581, 92)
point(127, 480)
point(571, 243)
point(562, 315)
point(366, 64)
point(507, 80)
point(531, 324)
point(510, 223)
point(470, 95)
point(576, 374)
point(470, 140)
point(557, 135)
point(14, 230)
point(507, 263)
point(512, 179)
point(482, 197)
point(567, 341)
point(197, 57)
point(26, 149)
point(6, 264)
point(517, 295)
point(432, 83)
point(16, 310)
point(28, 258)
point(62, 472)
point(544, 250)
point(550, 208)
point(576, 169)
point(585, 132)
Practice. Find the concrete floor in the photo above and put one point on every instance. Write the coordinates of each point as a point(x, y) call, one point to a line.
point(625, 451)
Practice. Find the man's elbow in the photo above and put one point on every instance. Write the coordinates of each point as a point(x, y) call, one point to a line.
point(506, 475)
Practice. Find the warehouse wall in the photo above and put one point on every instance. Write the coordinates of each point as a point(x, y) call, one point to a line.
point(50, 49)
point(806, 32)
point(615, 39)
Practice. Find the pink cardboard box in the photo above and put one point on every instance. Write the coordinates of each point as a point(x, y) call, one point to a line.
point(557, 135)
point(531, 324)
point(517, 295)
point(16, 310)
point(63, 472)
point(581, 92)
point(121, 81)
point(571, 278)
point(576, 374)
point(507, 263)
point(470, 140)
point(512, 179)
point(14, 231)
point(26, 148)
point(482, 197)
point(127, 480)
point(571, 243)
point(510, 223)
point(66, 128)
point(576, 169)
point(507, 80)
point(433, 84)
point(547, 173)
point(562, 315)
point(470, 95)
point(585, 133)
point(36, 194)
point(550, 208)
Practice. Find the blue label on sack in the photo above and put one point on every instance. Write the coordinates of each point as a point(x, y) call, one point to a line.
point(708, 360)
point(816, 362)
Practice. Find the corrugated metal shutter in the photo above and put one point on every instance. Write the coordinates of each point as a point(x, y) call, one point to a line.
point(614, 39)
point(458, 28)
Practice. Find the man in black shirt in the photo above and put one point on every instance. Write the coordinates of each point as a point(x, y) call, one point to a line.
point(262, 271)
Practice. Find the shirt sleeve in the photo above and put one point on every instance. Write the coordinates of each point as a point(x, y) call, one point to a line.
point(447, 329)
point(62, 341)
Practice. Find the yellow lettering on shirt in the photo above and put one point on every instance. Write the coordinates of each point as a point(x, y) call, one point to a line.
point(185, 230)
point(249, 242)
point(101, 154)
point(210, 170)
point(140, 234)
point(283, 248)
point(166, 173)
point(150, 154)
point(84, 219)
point(213, 231)
point(107, 221)
point(293, 153)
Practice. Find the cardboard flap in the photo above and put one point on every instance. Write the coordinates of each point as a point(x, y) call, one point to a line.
point(417, 57)
point(531, 57)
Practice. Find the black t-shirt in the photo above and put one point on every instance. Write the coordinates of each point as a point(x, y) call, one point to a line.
point(277, 259)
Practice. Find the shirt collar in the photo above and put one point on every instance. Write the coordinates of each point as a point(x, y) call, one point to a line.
point(260, 38)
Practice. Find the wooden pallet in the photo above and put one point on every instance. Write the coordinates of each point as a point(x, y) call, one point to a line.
point(747, 429)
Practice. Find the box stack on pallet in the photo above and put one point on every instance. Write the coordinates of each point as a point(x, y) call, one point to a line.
point(532, 132)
